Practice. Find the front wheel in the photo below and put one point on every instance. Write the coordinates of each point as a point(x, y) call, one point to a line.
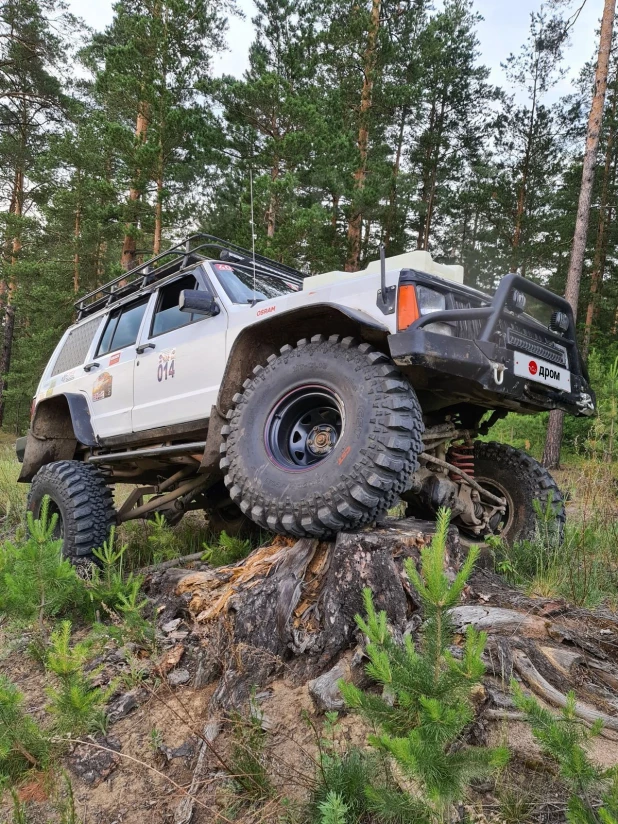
point(322, 439)
point(83, 503)
point(514, 475)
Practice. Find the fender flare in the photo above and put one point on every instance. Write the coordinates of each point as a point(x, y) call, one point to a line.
point(58, 425)
point(256, 341)
point(80, 417)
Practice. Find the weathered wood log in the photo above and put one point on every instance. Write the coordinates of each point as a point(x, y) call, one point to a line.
point(289, 610)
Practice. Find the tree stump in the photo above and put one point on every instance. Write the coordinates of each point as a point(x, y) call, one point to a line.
point(289, 610)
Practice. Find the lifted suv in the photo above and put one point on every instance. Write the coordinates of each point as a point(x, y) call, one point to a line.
point(308, 405)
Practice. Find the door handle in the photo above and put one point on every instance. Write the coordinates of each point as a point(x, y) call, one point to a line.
point(143, 346)
point(89, 366)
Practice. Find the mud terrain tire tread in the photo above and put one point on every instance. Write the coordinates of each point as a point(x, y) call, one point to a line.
point(529, 481)
point(369, 486)
point(86, 502)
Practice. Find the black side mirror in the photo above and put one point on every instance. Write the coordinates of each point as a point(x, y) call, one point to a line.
point(198, 303)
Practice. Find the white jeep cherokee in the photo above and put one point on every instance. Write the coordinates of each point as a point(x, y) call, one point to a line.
point(211, 379)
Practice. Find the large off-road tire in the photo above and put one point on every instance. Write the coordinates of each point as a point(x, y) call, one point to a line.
point(321, 439)
point(513, 474)
point(84, 505)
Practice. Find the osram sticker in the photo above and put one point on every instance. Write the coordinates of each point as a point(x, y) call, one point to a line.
point(266, 311)
point(114, 358)
point(102, 387)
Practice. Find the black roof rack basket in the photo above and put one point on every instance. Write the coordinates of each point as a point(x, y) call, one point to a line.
point(190, 251)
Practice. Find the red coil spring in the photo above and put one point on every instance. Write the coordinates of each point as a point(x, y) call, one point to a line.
point(463, 458)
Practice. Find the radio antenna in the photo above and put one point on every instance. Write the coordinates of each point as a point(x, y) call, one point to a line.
point(252, 231)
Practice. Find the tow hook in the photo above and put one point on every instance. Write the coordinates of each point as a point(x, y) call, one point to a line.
point(499, 370)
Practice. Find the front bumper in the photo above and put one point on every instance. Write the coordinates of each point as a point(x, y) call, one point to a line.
point(483, 372)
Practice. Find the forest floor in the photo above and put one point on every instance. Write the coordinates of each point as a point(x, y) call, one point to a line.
point(164, 748)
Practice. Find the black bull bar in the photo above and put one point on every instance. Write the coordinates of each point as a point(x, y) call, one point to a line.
point(476, 359)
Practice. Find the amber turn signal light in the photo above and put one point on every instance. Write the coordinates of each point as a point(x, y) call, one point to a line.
point(407, 307)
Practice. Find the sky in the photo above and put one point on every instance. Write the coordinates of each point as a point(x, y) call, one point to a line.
point(502, 31)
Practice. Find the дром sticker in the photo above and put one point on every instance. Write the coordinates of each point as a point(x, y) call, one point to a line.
point(115, 358)
point(102, 387)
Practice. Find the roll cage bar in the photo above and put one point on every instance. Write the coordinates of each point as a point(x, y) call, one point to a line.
point(190, 251)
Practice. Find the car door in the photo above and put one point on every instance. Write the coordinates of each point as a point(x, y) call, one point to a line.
point(178, 375)
point(111, 371)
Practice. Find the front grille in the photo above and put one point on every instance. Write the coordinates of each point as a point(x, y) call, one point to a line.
point(469, 329)
point(513, 334)
point(546, 351)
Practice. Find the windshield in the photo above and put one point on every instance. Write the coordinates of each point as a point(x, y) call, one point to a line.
point(238, 283)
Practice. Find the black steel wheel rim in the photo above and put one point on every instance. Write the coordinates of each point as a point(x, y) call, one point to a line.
point(303, 427)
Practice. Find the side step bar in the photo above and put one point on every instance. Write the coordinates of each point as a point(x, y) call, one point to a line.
point(148, 452)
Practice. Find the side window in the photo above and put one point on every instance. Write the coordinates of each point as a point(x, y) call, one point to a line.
point(122, 327)
point(76, 347)
point(167, 314)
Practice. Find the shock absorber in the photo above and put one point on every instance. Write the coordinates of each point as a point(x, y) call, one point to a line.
point(462, 457)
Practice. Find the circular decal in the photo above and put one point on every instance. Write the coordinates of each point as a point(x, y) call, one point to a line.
point(532, 366)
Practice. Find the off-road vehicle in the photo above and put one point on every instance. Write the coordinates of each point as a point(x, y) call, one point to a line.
point(213, 379)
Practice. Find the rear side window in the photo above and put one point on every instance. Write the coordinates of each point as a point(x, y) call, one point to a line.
point(76, 346)
point(122, 327)
point(167, 314)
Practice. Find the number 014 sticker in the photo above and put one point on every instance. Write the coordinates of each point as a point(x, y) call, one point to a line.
point(167, 365)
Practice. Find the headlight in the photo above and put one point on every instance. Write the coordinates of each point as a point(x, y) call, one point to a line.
point(431, 301)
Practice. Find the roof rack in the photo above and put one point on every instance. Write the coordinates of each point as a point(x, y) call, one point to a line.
point(192, 250)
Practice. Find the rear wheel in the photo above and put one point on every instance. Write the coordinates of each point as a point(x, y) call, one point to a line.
point(82, 501)
point(224, 515)
point(322, 439)
point(515, 476)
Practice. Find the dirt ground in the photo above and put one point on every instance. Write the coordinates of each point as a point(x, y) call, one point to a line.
point(152, 752)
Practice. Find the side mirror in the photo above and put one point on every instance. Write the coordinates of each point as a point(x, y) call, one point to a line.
point(198, 303)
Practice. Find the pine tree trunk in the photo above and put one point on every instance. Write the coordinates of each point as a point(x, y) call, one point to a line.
point(9, 314)
point(369, 63)
point(596, 277)
point(271, 213)
point(129, 244)
point(553, 442)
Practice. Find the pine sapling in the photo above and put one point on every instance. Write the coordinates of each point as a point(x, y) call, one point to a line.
point(37, 582)
point(426, 704)
point(23, 745)
point(78, 705)
point(565, 739)
point(333, 810)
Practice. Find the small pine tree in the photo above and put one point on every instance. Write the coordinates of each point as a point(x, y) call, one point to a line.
point(37, 582)
point(333, 810)
point(426, 701)
point(23, 745)
point(564, 739)
point(76, 704)
point(229, 550)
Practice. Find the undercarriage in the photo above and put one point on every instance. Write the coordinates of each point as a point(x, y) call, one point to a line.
point(171, 481)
